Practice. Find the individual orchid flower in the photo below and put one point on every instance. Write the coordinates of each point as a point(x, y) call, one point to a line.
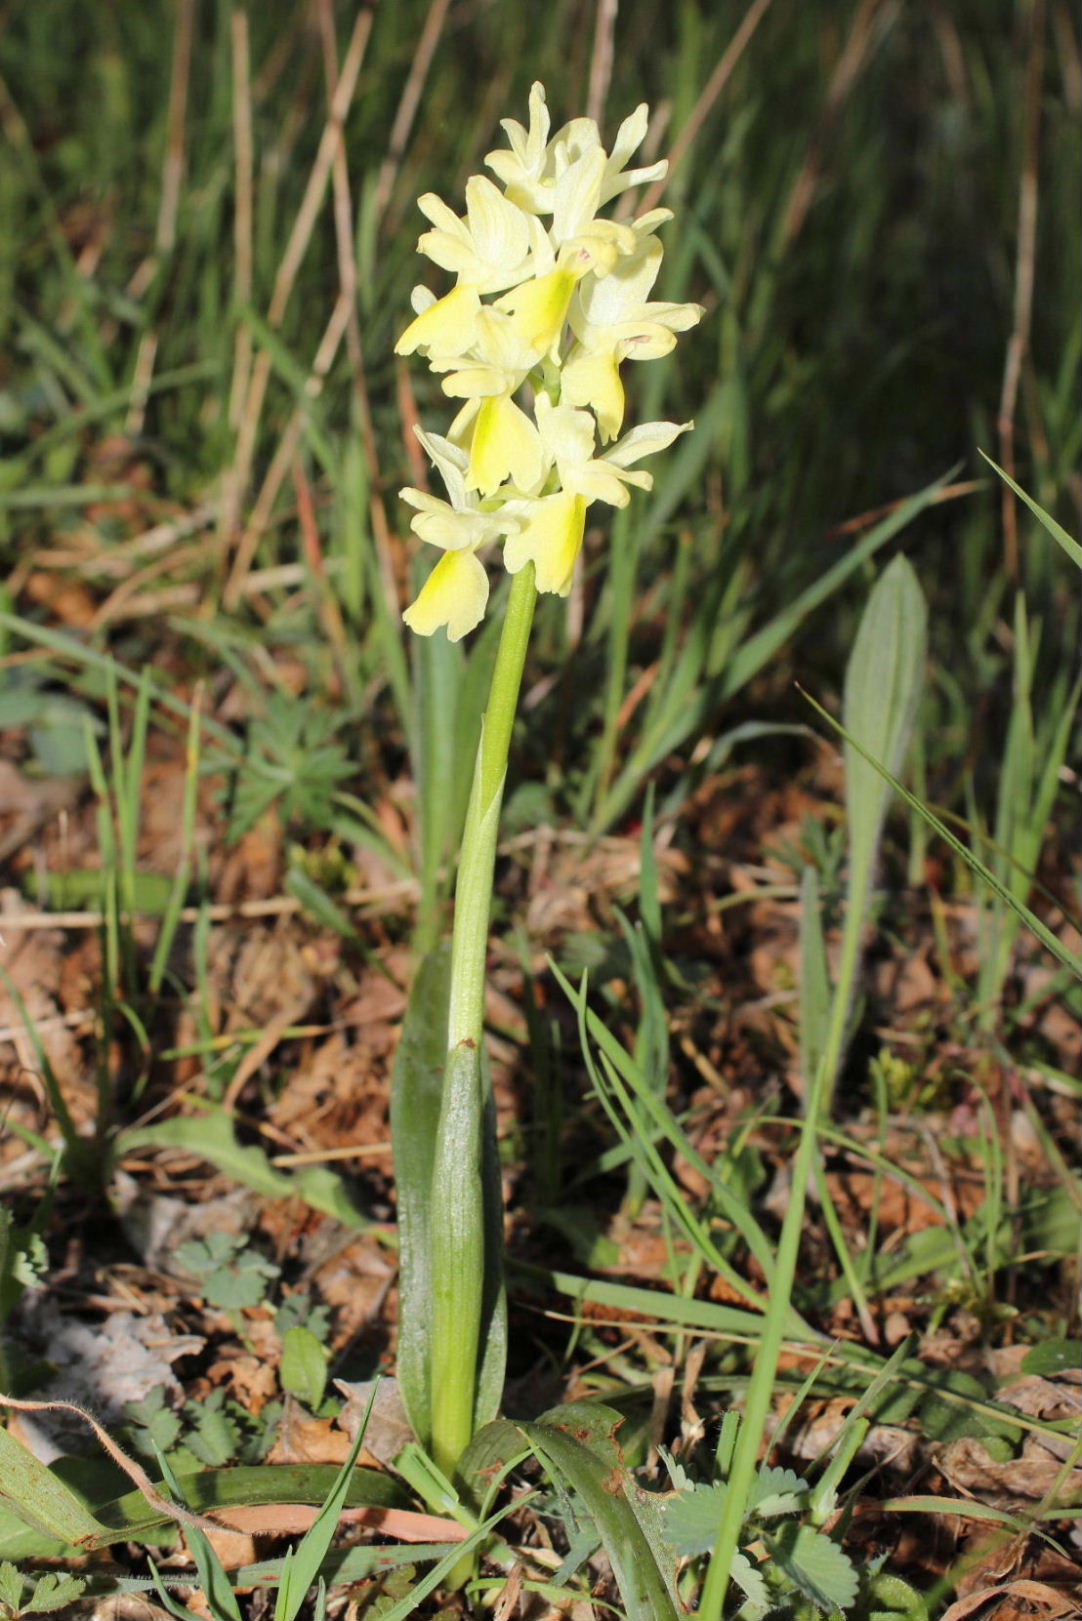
point(531, 168)
point(456, 592)
point(491, 248)
point(612, 322)
point(553, 525)
point(496, 246)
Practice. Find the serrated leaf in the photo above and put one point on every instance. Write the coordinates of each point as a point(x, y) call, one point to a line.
point(216, 1437)
point(679, 1478)
point(690, 1519)
point(750, 1581)
point(11, 1585)
point(816, 1565)
point(52, 1592)
point(775, 1492)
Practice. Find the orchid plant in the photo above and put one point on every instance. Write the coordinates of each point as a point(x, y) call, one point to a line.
point(550, 299)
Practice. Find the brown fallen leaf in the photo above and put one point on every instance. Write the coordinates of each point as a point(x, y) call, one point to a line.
point(970, 1469)
point(290, 1519)
point(304, 1439)
point(388, 1427)
point(1024, 1598)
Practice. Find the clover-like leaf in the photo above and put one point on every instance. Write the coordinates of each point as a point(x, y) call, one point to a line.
point(816, 1565)
point(750, 1581)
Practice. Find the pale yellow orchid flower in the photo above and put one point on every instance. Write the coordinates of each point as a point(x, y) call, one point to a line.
point(552, 526)
point(612, 322)
point(456, 592)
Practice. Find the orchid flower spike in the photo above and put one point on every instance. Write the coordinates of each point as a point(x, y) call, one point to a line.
point(531, 339)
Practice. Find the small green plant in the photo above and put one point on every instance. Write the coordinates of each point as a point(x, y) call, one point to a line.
point(209, 1433)
point(293, 761)
point(785, 1565)
point(231, 1274)
point(35, 1595)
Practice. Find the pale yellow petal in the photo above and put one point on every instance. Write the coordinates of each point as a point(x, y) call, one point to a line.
point(445, 327)
point(594, 380)
point(539, 308)
point(551, 539)
point(505, 444)
point(455, 595)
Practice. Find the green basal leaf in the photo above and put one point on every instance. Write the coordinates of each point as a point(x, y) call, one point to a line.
point(578, 1442)
point(883, 682)
point(416, 1089)
point(416, 1095)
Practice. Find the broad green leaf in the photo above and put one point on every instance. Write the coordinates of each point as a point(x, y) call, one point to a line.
point(416, 1098)
point(416, 1089)
point(577, 1442)
point(41, 1500)
point(883, 683)
point(212, 1136)
point(304, 1366)
point(466, 1246)
point(129, 1517)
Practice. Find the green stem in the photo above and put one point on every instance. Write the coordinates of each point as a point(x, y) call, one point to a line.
point(460, 1265)
point(473, 890)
